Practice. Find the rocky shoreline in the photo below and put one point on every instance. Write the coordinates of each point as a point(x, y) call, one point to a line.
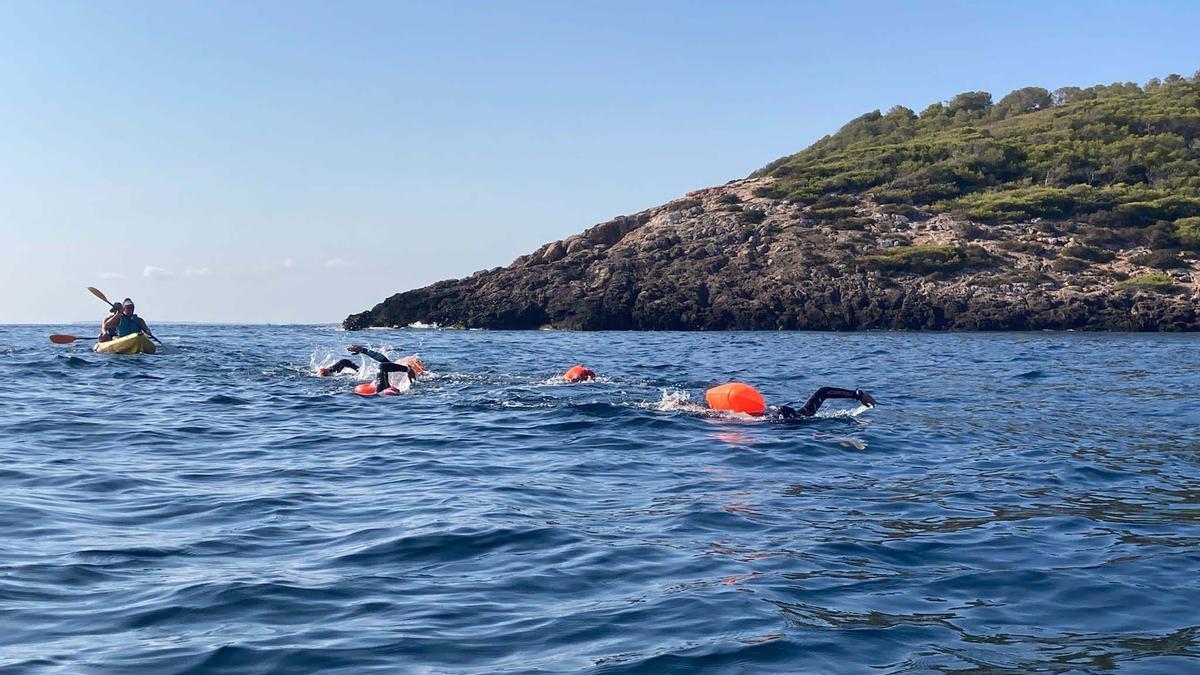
point(734, 257)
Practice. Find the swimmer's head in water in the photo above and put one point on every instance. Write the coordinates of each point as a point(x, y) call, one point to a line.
point(415, 364)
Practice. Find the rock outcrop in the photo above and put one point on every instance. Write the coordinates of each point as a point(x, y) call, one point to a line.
point(736, 257)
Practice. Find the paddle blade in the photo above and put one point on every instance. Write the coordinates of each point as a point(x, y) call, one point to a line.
point(63, 339)
point(100, 295)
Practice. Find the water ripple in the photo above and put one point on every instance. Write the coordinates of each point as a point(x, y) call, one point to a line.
point(1018, 503)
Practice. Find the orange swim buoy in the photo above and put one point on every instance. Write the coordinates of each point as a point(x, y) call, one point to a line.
point(578, 374)
point(365, 389)
point(736, 397)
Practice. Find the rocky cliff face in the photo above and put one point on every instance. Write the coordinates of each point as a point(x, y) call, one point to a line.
point(735, 257)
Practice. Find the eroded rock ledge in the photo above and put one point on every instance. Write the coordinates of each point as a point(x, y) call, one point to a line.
point(733, 257)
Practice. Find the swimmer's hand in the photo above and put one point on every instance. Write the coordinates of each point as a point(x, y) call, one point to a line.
point(354, 349)
point(865, 398)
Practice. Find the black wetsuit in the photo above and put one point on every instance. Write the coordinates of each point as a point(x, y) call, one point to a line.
point(814, 402)
point(386, 366)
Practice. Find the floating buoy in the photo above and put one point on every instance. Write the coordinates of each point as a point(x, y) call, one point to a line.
point(736, 397)
point(365, 389)
point(578, 374)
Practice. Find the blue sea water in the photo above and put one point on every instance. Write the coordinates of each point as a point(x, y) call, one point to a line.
point(1016, 503)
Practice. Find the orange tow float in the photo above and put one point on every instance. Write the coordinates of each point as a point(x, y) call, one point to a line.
point(578, 374)
point(736, 397)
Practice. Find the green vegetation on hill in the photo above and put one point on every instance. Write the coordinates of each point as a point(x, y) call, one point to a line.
point(1154, 282)
point(1117, 158)
point(928, 259)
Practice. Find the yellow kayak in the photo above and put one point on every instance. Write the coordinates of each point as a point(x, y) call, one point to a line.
point(130, 344)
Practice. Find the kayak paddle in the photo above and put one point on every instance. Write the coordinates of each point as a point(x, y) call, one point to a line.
point(66, 339)
point(100, 295)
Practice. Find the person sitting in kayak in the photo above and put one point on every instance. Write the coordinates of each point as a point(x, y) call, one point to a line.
point(123, 321)
point(390, 372)
point(742, 398)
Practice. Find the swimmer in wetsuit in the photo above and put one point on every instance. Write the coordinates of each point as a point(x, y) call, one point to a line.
point(411, 368)
point(742, 398)
point(814, 402)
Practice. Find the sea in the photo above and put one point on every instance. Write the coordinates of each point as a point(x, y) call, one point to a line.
point(1015, 503)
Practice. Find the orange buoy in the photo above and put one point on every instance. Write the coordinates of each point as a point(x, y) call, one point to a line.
point(365, 389)
point(578, 374)
point(736, 397)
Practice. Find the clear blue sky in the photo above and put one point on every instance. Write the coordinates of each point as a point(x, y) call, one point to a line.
point(298, 161)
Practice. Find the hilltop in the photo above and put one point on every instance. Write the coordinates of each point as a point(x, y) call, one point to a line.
point(1072, 209)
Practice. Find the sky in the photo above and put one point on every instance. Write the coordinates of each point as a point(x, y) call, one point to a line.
point(295, 162)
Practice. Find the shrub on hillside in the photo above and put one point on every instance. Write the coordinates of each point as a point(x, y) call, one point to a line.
point(769, 192)
point(927, 259)
point(852, 223)
point(906, 210)
point(1088, 253)
point(1023, 246)
point(834, 201)
point(832, 214)
point(683, 204)
point(1187, 231)
point(1071, 265)
point(1163, 260)
point(751, 217)
point(1153, 282)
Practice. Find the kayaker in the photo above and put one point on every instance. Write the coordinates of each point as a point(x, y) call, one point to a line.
point(390, 372)
point(123, 321)
point(738, 397)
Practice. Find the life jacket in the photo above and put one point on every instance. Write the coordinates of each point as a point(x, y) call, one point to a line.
point(129, 325)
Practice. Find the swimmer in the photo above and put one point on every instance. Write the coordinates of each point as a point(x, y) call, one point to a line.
point(390, 372)
point(738, 397)
point(579, 374)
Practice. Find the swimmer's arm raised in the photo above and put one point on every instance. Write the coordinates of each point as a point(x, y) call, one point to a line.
point(821, 395)
point(358, 349)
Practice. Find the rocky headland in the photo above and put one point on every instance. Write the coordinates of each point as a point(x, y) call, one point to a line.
point(1073, 210)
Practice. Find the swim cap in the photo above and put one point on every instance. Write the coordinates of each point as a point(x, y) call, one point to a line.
point(414, 364)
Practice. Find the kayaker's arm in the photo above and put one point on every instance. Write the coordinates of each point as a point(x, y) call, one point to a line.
point(821, 395)
point(145, 328)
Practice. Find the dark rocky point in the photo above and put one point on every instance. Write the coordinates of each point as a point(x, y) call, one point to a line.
point(985, 233)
